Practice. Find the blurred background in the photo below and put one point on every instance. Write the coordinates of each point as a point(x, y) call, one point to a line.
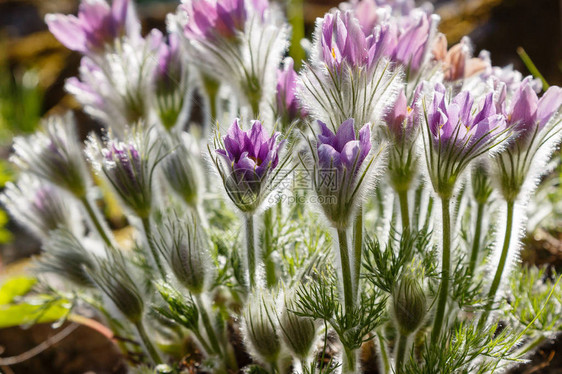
point(34, 66)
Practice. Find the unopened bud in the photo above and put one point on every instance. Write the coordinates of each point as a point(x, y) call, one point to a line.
point(408, 303)
point(260, 328)
point(183, 172)
point(298, 332)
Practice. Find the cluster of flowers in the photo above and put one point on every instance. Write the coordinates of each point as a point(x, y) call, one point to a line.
point(381, 108)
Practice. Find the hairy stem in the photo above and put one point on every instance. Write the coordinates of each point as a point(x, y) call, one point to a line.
point(400, 355)
point(404, 210)
point(147, 343)
point(96, 220)
point(270, 277)
point(346, 277)
point(209, 329)
point(445, 271)
point(476, 242)
point(349, 361)
point(250, 251)
point(357, 251)
point(383, 353)
point(501, 265)
point(148, 233)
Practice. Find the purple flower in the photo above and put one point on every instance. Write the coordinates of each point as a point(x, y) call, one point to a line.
point(97, 25)
point(371, 13)
point(536, 124)
point(169, 69)
point(172, 89)
point(412, 42)
point(458, 133)
point(342, 40)
point(343, 150)
point(340, 158)
point(128, 166)
point(249, 159)
point(288, 105)
point(529, 113)
point(456, 124)
point(212, 19)
point(403, 119)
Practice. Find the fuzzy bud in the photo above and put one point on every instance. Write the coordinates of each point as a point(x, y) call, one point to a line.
point(298, 333)
point(409, 305)
point(66, 256)
point(481, 183)
point(54, 155)
point(260, 328)
point(112, 276)
point(184, 244)
point(40, 206)
point(183, 172)
point(128, 166)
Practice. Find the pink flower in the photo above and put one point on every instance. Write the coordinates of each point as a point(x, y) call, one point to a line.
point(97, 25)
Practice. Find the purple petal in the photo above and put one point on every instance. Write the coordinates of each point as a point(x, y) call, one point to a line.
point(68, 31)
point(345, 134)
point(464, 103)
point(328, 157)
point(350, 156)
point(365, 141)
point(488, 108)
point(549, 104)
point(525, 106)
point(326, 136)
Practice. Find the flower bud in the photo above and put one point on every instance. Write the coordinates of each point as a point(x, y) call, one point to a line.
point(481, 183)
point(112, 276)
point(171, 85)
point(298, 333)
point(183, 172)
point(54, 155)
point(66, 256)
point(260, 328)
point(408, 303)
point(128, 166)
point(185, 246)
point(40, 206)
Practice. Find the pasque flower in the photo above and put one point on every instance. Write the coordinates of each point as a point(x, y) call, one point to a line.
point(117, 88)
point(289, 107)
point(182, 170)
point(338, 170)
point(185, 246)
point(236, 41)
point(457, 62)
point(518, 166)
point(212, 19)
point(172, 86)
point(536, 122)
point(347, 76)
point(457, 133)
point(128, 166)
point(248, 159)
point(40, 206)
point(65, 254)
point(97, 25)
point(55, 155)
point(403, 117)
point(402, 122)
